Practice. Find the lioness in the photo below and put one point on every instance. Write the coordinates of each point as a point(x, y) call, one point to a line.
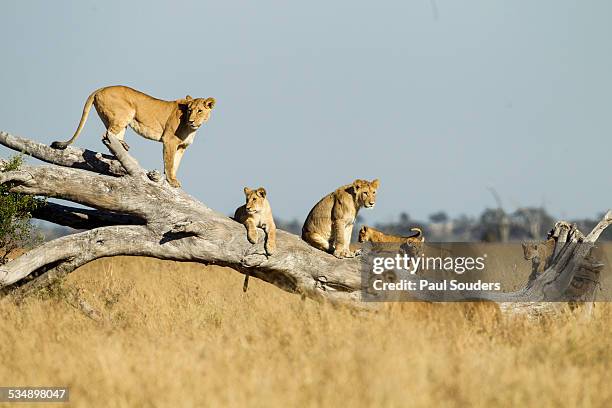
point(174, 123)
point(539, 253)
point(329, 224)
point(257, 213)
point(370, 234)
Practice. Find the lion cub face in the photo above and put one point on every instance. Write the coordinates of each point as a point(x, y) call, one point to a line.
point(364, 234)
point(255, 200)
point(365, 192)
point(539, 253)
point(530, 250)
point(198, 110)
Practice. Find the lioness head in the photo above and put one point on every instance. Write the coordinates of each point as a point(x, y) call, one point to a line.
point(365, 192)
point(198, 110)
point(254, 199)
point(530, 250)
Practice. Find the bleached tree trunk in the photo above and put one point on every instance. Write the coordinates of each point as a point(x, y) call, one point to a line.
point(135, 212)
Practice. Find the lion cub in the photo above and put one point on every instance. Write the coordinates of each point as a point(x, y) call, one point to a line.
point(369, 234)
point(257, 213)
point(539, 253)
point(329, 224)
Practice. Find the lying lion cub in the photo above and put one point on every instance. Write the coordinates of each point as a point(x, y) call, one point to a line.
point(539, 253)
point(256, 213)
point(329, 224)
point(174, 123)
point(370, 234)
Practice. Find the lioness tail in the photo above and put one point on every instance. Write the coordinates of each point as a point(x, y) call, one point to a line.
point(86, 109)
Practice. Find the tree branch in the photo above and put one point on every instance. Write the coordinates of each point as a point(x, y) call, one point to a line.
point(81, 218)
point(93, 190)
point(89, 245)
point(600, 227)
point(71, 157)
point(128, 162)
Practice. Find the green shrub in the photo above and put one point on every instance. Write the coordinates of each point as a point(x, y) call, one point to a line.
point(16, 230)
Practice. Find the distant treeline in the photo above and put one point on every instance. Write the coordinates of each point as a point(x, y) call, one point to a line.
point(493, 225)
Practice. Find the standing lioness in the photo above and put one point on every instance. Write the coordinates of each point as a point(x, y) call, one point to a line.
point(329, 224)
point(174, 123)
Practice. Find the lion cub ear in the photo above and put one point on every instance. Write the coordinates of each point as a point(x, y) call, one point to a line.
point(247, 191)
point(353, 188)
point(185, 100)
point(209, 103)
point(261, 192)
point(375, 183)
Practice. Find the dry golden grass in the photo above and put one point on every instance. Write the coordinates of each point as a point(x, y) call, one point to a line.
point(185, 335)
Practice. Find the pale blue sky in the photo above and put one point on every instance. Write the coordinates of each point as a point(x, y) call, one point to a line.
point(311, 95)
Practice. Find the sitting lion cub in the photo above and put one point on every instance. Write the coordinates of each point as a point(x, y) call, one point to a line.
point(174, 123)
point(369, 234)
point(329, 224)
point(539, 253)
point(256, 213)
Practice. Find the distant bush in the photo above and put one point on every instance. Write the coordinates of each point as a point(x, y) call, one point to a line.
point(16, 229)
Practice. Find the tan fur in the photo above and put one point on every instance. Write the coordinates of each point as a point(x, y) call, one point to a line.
point(539, 253)
point(329, 224)
point(174, 123)
point(257, 213)
point(370, 234)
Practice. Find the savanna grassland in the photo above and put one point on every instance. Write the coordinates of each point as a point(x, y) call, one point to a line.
point(178, 334)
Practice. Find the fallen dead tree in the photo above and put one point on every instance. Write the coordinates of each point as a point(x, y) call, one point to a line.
point(135, 212)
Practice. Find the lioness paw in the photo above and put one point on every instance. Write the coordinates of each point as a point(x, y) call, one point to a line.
point(174, 183)
point(344, 253)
